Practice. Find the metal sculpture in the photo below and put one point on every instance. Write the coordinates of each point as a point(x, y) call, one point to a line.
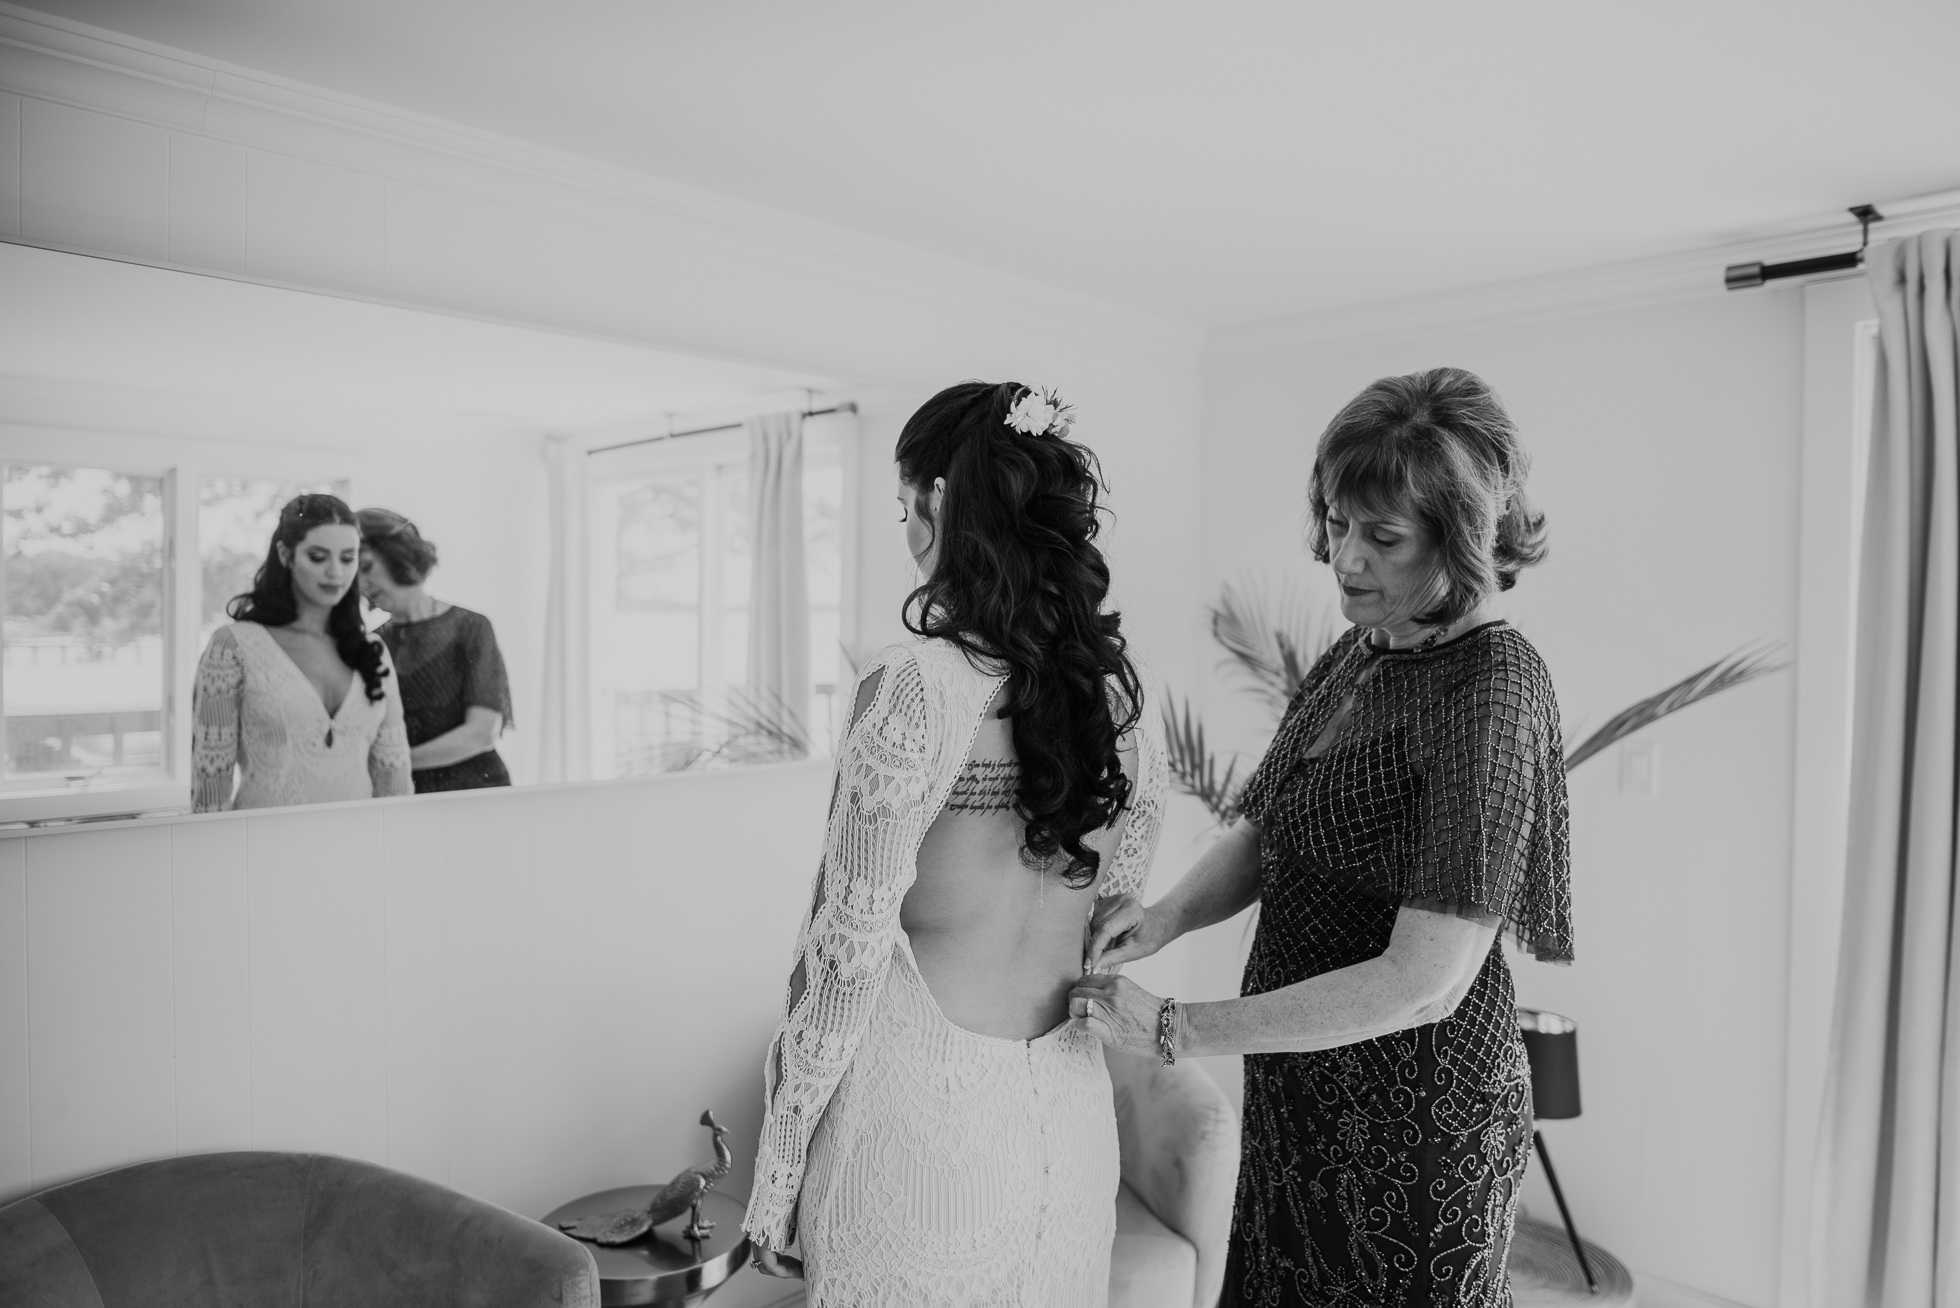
point(682, 1194)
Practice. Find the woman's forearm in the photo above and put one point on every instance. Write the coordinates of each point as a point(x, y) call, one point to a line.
point(1221, 884)
point(1360, 1002)
point(1433, 958)
point(476, 735)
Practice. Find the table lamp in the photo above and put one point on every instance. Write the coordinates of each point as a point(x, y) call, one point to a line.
point(1551, 1044)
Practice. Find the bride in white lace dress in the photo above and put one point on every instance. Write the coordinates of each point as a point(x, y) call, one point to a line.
point(294, 702)
point(937, 1131)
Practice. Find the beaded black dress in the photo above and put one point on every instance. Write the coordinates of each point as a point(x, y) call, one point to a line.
point(1386, 1173)
point(447, 664)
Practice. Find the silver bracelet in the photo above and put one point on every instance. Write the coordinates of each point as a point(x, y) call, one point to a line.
point(1167, 1031)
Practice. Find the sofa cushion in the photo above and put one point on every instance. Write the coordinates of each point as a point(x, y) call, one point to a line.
point(204, 1229)
point(272, 1230)
point(1151, 1266)
point(42, 1267)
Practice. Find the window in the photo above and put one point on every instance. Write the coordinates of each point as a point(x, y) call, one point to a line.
point(669, 595)
point(112, 578)
point(83, 675)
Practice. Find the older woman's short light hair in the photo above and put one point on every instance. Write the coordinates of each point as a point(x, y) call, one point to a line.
point(1436, 448)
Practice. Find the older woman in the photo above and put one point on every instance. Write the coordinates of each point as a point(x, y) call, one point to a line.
point(455, 694)
point(1411, 805)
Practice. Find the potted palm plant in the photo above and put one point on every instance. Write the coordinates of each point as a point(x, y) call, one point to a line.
point(1271, 637)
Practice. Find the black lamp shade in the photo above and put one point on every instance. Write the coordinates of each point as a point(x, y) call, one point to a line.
point(1551, 1042)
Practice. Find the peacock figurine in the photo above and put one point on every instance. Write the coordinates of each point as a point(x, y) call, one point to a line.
point(679, 1195)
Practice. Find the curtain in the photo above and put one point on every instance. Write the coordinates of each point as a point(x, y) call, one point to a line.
point(779, 588)
point(1886, 1226)
point(564, 752)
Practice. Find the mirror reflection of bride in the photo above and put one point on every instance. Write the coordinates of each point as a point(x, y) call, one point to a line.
point(294, 703)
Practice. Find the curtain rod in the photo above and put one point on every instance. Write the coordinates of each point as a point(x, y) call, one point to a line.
point(848, 406)
point(1740, 276)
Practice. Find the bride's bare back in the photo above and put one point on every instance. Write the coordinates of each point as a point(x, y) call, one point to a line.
point(997, 942)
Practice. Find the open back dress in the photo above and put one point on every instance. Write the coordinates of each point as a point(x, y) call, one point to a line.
point(923, 1164)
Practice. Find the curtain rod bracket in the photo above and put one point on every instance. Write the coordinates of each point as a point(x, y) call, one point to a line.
point(1741, 276)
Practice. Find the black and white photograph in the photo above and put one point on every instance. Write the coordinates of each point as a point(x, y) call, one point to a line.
point(1016, 655)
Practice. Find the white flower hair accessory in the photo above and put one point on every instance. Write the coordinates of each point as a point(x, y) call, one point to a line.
point(1041, 413)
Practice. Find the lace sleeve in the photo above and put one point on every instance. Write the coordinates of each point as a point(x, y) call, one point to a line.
point(880, 809)
point(388, 760)
point(215, 694)
point(1136, 849)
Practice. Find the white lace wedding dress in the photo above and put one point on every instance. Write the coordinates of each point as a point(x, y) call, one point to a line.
point(255, 713)
point(925, 1164)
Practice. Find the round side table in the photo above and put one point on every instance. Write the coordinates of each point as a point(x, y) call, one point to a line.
point(662, 1266)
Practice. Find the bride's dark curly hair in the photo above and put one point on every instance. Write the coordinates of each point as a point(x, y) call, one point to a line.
point(1019, 581)
point(270, 602)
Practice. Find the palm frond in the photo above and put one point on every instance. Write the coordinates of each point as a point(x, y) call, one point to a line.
point(755, 726)
point(1194, 769)
point(739, 728)
point(1743, 665)
point(1270, 641)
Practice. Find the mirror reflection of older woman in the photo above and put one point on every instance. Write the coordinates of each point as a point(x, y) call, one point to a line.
point(455, 694)
point(1412, 805)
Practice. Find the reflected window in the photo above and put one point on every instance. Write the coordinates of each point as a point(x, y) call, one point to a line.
point(83, 674)
point(669, 572)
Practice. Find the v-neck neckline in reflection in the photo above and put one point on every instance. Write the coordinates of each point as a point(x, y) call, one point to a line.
point(331, 715)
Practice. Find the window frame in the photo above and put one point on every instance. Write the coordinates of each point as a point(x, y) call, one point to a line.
point(182, 464)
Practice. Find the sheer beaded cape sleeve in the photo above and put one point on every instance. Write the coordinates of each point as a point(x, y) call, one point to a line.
point(894, 767)
point(1445, 785)
point(215, 692)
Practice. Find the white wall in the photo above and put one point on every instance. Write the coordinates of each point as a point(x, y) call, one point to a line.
point(528, 995)
point(1666, 444)
point(481, 499)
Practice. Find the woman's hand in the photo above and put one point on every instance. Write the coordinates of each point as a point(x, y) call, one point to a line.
point(1117, 1011)
point(1121, 930)
point(772, 1263)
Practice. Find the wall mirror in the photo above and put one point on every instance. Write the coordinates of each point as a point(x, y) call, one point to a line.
point(595, 500)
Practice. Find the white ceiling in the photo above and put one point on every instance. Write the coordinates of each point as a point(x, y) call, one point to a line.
point(1216, 162)
point(300, 366)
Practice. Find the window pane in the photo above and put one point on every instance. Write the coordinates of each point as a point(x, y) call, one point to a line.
point(83, 630)
point(235, 520)
point(737, 568)
point(823, 511)
point(647, 624)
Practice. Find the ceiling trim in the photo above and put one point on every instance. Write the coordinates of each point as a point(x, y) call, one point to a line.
point(86, 67)
point(1604, 288)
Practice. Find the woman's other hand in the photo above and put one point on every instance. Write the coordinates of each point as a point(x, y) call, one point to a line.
point(1117, 1011)
point(773, 1263)
point(1121, 930)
